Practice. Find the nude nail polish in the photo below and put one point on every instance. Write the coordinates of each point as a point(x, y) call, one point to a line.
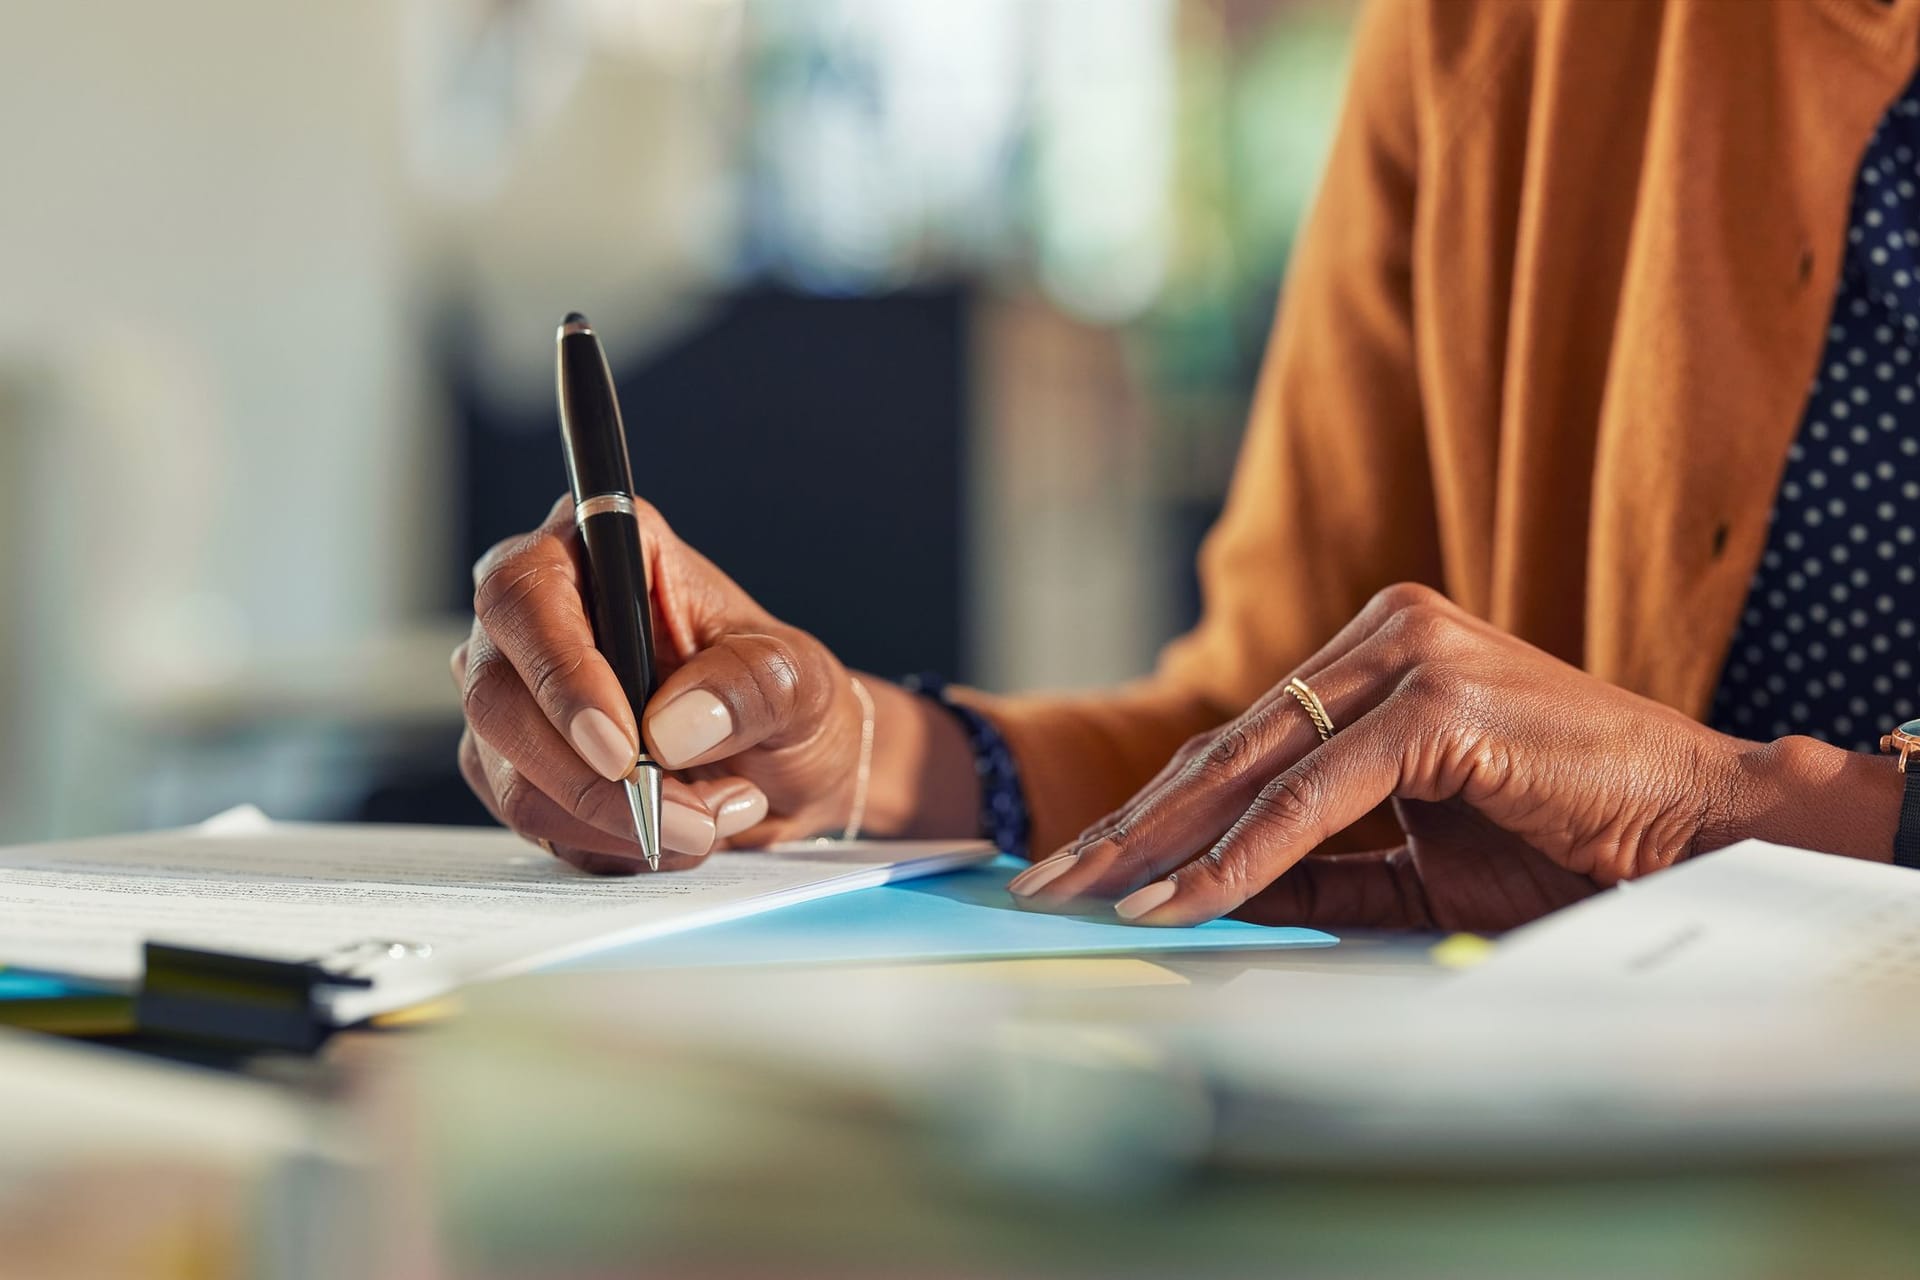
point(1141, 901)
point(684, 829)
point(1040, 875)
point(688, 727)
point(740, 811)
point(601, 744)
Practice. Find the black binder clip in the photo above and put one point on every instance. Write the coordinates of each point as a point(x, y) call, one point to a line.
point(247, 1002)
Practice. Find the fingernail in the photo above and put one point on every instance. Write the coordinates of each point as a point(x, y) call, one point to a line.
point(688, 727)
point(741, 810)
point(684, 829)
point(1038, 877)
point(601, 744)
point(1141, 901)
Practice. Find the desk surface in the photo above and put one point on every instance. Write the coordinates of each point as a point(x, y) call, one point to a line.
point(748, 1173)
point(754, 1170)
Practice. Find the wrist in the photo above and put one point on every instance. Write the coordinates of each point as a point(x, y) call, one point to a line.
point(922, 782)
point(1808, 794)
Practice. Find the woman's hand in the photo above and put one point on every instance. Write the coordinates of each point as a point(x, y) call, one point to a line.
point(758, 719)
point(1522, 784)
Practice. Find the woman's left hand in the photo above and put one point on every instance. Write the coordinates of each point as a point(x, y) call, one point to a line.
point(1521, 782)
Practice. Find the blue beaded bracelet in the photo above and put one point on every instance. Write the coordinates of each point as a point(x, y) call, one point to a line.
point(1003, 801)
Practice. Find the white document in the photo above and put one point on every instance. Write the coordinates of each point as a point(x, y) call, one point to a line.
point(1751, 918)
point(1754, 1002)
point(420, 910)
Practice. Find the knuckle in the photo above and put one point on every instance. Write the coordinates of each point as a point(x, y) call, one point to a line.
point(1485, 756)
point(767, 678)
point(737, 687)
point(1401, 596)
point(520, 803)
point(1439, 683)
point(1418, 629)
point(1227, 754)
point(503, 583)
point(777, 671)
point(582, 794)
point(484, 700)
point(1220, 871)
point(1289, 802)
point(496, 555)
point(552, 671)
point(1126, 856)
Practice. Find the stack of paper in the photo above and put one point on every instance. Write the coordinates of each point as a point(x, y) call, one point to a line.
point(417, 910)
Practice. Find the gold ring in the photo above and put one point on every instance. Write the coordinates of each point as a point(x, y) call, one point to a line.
point(1310, 703)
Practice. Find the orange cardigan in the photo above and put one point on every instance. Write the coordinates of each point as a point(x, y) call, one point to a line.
point(1545, 342)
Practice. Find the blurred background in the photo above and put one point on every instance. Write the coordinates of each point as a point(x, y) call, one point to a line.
point(935, 325)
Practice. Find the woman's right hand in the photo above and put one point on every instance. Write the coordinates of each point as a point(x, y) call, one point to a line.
point(757, 720)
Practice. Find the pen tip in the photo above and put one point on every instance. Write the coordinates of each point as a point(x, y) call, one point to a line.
point(574, 317)
point(643, 797)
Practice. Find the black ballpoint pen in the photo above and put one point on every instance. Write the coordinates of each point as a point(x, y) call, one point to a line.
point(618, 603)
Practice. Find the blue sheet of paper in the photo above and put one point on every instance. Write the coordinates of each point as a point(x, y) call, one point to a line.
point(963, 915)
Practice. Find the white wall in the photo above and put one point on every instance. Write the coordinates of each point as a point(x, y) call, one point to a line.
point(201, 239)
point(201, 258)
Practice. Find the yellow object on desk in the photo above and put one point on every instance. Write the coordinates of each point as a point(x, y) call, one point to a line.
point(420, 1015)
point(1461, 951)
point(82, 1016)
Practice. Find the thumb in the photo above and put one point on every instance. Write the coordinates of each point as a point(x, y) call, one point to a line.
point(749, 688)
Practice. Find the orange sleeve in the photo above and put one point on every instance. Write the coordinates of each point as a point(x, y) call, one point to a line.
point(1331, 499)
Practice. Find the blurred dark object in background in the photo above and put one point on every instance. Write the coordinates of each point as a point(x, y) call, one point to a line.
point(810, 446)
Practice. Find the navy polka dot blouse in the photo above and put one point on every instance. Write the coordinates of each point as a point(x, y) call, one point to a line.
point(1826, 645)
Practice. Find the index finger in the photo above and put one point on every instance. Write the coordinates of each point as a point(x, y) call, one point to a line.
point(1332, 787)
point(527, 596)
point(1198, 805)
point(1227, 767)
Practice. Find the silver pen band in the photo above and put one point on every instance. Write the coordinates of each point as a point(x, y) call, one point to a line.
point(601, 503)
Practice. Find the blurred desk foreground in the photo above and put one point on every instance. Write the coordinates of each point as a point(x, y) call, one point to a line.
point(1032, 1118)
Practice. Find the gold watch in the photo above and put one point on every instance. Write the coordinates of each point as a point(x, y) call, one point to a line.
point(1905, 742)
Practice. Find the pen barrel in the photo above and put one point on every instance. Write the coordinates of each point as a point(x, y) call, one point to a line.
point(590, 425)
point(618, 603)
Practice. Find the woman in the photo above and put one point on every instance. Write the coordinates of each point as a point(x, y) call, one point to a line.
point(1536, 514)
